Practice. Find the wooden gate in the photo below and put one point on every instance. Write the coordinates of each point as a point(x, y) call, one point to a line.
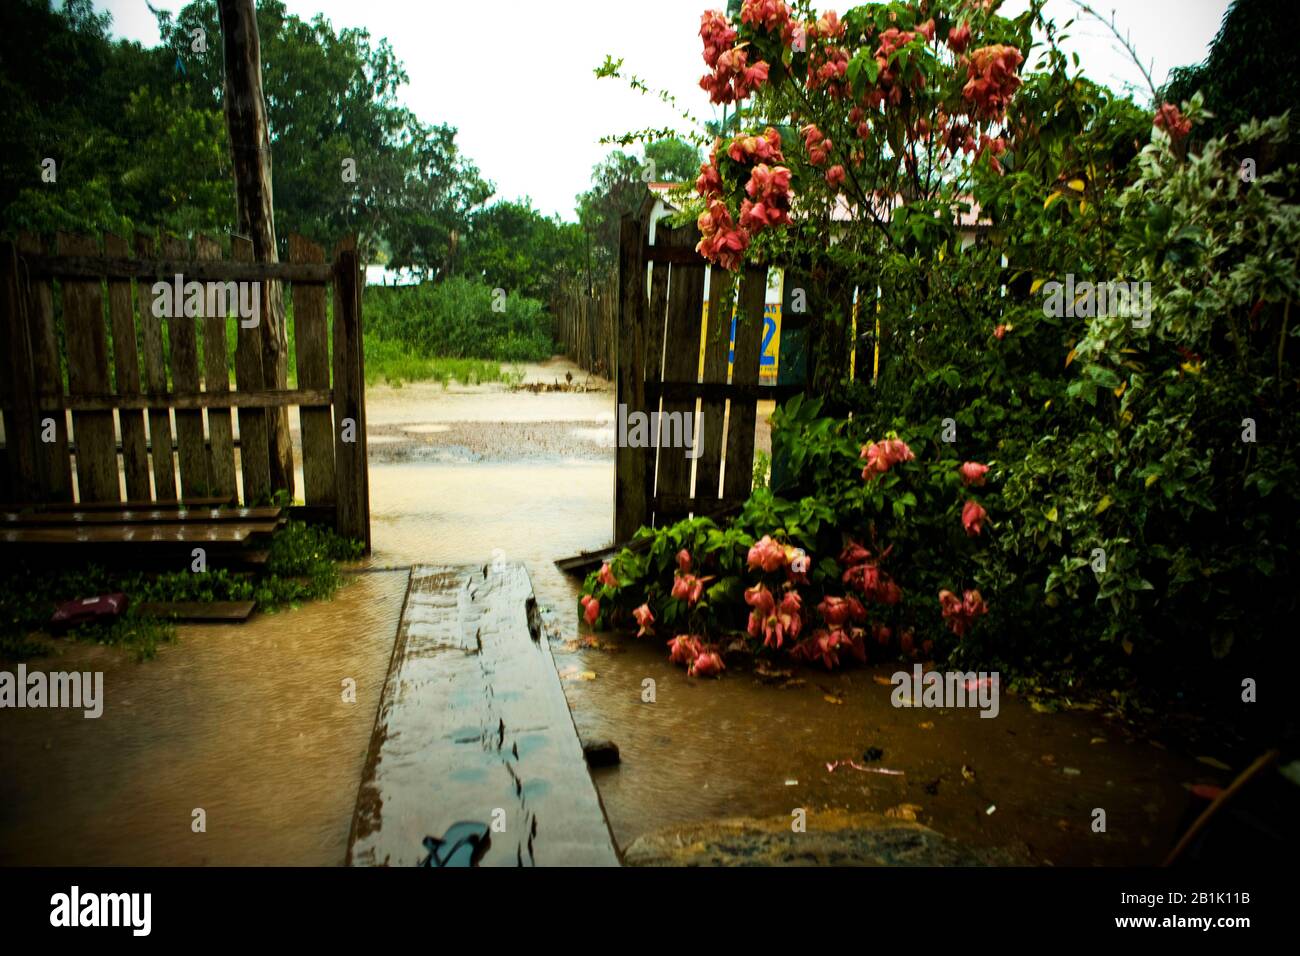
point(83, 338)
point(673, 363)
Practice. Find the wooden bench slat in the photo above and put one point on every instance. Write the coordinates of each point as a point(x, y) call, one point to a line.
point(143, 516)
point(197, 533)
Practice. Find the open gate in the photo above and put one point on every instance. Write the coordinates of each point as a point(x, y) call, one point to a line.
point(672, 364)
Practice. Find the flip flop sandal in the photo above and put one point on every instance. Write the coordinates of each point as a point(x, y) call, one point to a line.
point(463, 844)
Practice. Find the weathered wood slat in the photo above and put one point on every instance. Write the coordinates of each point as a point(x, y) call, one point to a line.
point(216, 382)
point(739, 475)
point(178, 533)
point(126, 367)
point(167, 268)
point(53, 457)
point(21, 419)
point(717, 345)
point(630, 506)
point(254, 440)
point(351, 478)
point(681, 363)
point(311, 346)
point(155, 380)
point(140, 505)
point(674, 254)
point(263, 398)
point(87, 349)
point(473, 722)
point(183, 338)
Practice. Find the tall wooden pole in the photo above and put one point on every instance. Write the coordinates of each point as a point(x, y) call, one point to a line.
point(250, 146)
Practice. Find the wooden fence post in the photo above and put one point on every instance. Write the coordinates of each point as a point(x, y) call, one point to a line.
point(631, 508)
point(351, 478)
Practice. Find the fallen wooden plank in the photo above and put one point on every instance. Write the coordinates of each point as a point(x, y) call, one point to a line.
point(473, 725)
point(199, 611)
point(138, 534)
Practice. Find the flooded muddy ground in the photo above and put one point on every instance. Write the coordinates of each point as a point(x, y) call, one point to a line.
point(248, 722)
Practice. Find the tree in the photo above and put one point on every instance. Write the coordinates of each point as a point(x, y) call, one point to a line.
point(511, 245)
point(1250, 72)
point(674, 161)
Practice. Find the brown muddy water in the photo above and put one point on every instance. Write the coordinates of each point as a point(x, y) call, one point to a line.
point(249, 724)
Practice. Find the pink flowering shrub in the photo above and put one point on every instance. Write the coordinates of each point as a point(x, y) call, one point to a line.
point(884, 84)
point(813, 580)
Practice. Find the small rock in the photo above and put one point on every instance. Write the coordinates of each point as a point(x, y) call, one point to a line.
point(600, 753)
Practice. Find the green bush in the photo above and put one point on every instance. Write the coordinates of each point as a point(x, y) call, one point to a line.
point(456, 318)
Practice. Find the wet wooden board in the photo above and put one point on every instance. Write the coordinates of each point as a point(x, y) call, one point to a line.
point(738, 480)
point(155, 380)
point(126, 367)
point(216, 378)
point(84, 333)
point(143, 516)
point(311, 349)
point(225, 612)
point(473, 725)
point(196, 533)
point(143, 504)
point(182, 336)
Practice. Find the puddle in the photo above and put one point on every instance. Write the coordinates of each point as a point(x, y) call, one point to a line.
point(247, 721)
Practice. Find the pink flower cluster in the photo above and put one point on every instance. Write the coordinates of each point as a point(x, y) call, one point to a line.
point(1172, 121)
point(816, 145)
point(862, 573)
point(827, 65)
point(733, 77)
point(772, 16)
point(972, 473)
point(883, 455)
point(769, 202)
point(887, 86)
point(690, 652)
point(960, 613)
point(825, 646)
point(992, 79)
point(772, 620)
point(959, 38)
point(723, 241)
point(645, 620)
point(972, 518)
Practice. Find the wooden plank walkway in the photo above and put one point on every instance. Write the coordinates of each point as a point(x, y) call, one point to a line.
point(473, 725)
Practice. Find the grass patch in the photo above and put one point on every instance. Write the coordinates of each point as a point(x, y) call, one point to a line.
point(396, 363)
point(302, 566)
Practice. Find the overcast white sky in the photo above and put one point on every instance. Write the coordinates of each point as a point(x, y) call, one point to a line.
point(515, 76)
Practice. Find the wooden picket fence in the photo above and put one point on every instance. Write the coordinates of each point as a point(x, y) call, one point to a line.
point(131, 377)
point(584, 324)
point(660, 341)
